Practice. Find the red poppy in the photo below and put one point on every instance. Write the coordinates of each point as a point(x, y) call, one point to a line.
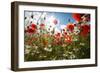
point(85, 29)
point(57, 37)
point(42, 26)
point(76, 16)
point(31, 29)
point(57, 40)
point(70, 27)
point(33, 26)
point(68, 39)
point(58, 34)
point(65, 33)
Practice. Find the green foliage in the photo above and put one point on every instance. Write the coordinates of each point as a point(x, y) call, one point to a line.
point(79, 49)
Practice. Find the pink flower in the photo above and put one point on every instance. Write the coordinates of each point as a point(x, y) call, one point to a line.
point(55, 22)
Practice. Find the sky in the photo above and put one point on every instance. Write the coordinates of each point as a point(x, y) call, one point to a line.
point(61, 17)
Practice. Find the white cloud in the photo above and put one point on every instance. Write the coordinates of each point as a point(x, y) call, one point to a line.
point(57, 30)
point(62, 26)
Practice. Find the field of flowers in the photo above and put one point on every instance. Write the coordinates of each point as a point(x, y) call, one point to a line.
point(43, 42)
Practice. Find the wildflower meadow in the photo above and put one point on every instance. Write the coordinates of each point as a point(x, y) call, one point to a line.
point(56, 36)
